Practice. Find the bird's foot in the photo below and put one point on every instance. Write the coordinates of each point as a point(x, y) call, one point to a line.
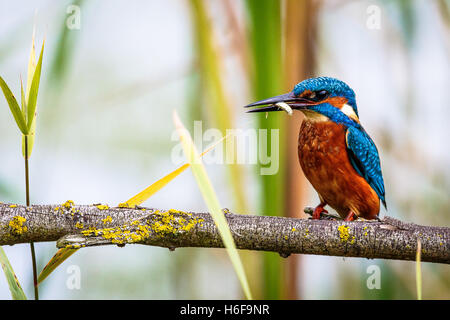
point(318, 211)
point(351, 216)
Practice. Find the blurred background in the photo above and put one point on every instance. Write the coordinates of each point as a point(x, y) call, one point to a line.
point(113, 72)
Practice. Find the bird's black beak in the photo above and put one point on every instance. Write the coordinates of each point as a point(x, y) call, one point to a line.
point(288, 98)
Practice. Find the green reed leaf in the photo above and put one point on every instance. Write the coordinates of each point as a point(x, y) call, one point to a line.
point(14, 107)
point(13, 283)
point(60, 256)
point(33, 91)
point(212, 202)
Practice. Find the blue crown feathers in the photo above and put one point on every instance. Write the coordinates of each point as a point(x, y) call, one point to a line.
point(335, 87)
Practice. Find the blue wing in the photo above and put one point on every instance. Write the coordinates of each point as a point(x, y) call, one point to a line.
point(364, 157)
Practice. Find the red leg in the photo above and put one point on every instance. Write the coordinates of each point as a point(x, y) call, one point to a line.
point(351, 216)
point(318, 211)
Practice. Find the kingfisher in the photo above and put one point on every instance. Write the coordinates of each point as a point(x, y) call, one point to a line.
point(336, 154)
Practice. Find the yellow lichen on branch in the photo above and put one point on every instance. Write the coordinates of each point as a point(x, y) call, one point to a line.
point(108, 219)
point(79, 225)
point(163, 223)
point(125, 205)
point(343, 233)
point(16, 225)
point(68, 204)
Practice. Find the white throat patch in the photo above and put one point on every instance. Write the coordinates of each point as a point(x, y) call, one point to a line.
point(349, 112)
point(317, 117)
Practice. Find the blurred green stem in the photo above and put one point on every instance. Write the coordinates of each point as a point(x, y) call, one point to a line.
point(27, 194)
point(266, 81)
point(219, 106)
point(212, 87)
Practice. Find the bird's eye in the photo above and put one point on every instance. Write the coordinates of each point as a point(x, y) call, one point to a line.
point(320, 95)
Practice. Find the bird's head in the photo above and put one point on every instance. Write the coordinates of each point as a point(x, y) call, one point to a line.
point(320, 98)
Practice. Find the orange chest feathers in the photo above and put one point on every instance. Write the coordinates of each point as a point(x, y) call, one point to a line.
point(322, 152)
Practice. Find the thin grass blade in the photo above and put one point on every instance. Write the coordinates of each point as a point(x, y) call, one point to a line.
point(31, 66)
point(152, 189)
point(27, 146)
point(13, 283)
point(212, 202)
point(22, 98)
point(33, 93)
point(158, 185)
point(60, 256)
point(14, 107)
point(26, 152)
point(24, 112)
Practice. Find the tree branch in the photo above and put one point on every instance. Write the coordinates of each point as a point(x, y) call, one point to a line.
point(78, 226)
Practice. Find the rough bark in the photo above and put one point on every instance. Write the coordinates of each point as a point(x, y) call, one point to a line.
point(78, 226)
